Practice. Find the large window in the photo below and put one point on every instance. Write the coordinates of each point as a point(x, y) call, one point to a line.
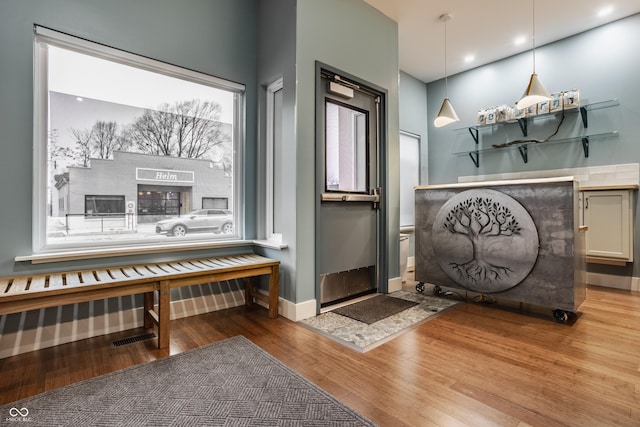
point(164, 139)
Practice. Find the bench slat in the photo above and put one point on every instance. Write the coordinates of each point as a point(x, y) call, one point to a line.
point(117, 274)
point(88, 278)
point(4, 284)
point(200, 265)
point(103, 276)
point(179, 268)
point(55, 281)
point(38, 283)
point(18, 286)
point(150, 270)
point(73, 278)
point(130, 272)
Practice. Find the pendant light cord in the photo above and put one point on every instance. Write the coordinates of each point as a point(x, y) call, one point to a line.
point(446, 87)
point(533, 34)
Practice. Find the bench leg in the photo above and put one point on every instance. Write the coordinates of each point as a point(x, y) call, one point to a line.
point(148, 308)
point(274, 279)
point(248, 292)
point(164, 315)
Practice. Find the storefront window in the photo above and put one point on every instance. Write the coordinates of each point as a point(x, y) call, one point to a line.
point(126, 136)
point(104, 205)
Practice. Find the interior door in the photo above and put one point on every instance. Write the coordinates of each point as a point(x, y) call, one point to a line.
point(348, 189)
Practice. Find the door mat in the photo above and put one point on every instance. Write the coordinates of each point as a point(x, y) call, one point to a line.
point(363, 337)
point(374, 309)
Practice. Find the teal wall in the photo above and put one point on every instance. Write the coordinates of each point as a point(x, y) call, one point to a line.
point(603, 63)
point(355, 38)
point(216, 37)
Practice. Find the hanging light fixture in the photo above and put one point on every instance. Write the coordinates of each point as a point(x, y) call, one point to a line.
point(446, 114)
point(535, 91)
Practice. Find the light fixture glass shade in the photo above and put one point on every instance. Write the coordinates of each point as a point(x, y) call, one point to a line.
point(535, 93)
point(446, 115)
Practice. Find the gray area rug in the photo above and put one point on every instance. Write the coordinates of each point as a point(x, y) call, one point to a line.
point(228, 383)
point(374, 309)
point(363, 337)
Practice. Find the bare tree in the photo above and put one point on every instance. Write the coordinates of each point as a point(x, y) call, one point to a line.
point(198, 128)
point(153, 132)
point(83, 145)
point(481, 219)
point(187, 129)
point(104, 139)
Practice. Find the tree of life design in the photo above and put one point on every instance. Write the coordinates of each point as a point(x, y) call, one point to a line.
point(481, 219)
point(485, 240)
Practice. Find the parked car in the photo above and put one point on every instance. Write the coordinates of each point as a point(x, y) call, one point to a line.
point(201, 220)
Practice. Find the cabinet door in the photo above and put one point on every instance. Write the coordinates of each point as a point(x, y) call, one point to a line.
point(608, 216)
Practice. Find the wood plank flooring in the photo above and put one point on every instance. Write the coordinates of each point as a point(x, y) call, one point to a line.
point(475, 365)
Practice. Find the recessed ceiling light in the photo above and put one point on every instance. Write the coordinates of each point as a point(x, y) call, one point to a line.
point(519, 40)
point(605, 11)
point(79, 99)
point(469, 58)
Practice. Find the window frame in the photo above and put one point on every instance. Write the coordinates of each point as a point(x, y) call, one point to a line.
point(44, 37)
point(270, 203)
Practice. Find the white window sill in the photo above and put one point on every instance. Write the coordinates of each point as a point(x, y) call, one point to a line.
point(127, 250)
point(271, 244)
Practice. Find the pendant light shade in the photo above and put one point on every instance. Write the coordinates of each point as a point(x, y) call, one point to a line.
point(535, 91)
point(446, 114)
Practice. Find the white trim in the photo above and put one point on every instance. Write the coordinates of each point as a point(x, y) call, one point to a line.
point(627, 283)
point(274, 87)
point(271, 244)
point(126, 250)
point(411, 263)
point(395, 284)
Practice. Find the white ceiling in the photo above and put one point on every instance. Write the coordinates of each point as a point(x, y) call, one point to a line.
point(487, 29)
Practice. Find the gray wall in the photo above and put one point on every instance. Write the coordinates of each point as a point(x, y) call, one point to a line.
point(357, 39)
point(603, 63)
point(216, 37)
point(413, 117)
point(276, 59)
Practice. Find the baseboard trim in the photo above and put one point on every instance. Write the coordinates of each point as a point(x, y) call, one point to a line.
point(627, 283)
point(394, 284)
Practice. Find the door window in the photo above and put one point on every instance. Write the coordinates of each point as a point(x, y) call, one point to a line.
point(346, 148)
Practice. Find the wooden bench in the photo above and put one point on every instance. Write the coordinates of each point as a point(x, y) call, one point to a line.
point(18, 294)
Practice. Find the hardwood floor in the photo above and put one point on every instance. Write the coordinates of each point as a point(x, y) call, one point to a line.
point(475, 365)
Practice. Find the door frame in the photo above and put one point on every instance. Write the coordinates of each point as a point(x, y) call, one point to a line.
point(382, 175)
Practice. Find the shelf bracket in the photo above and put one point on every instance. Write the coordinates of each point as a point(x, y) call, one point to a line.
point(524, 152)
point(475, 158)
point(474, 134)
point(585, 145)
point(585, 121)
point(523, 126)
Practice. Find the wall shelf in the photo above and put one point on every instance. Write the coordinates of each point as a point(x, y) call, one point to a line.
point(523, 148)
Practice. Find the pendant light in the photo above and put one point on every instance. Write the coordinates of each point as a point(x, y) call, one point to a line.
point(535, 91)
point(446, 114)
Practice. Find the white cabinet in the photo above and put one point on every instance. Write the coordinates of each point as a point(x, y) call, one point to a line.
point(608, 214)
